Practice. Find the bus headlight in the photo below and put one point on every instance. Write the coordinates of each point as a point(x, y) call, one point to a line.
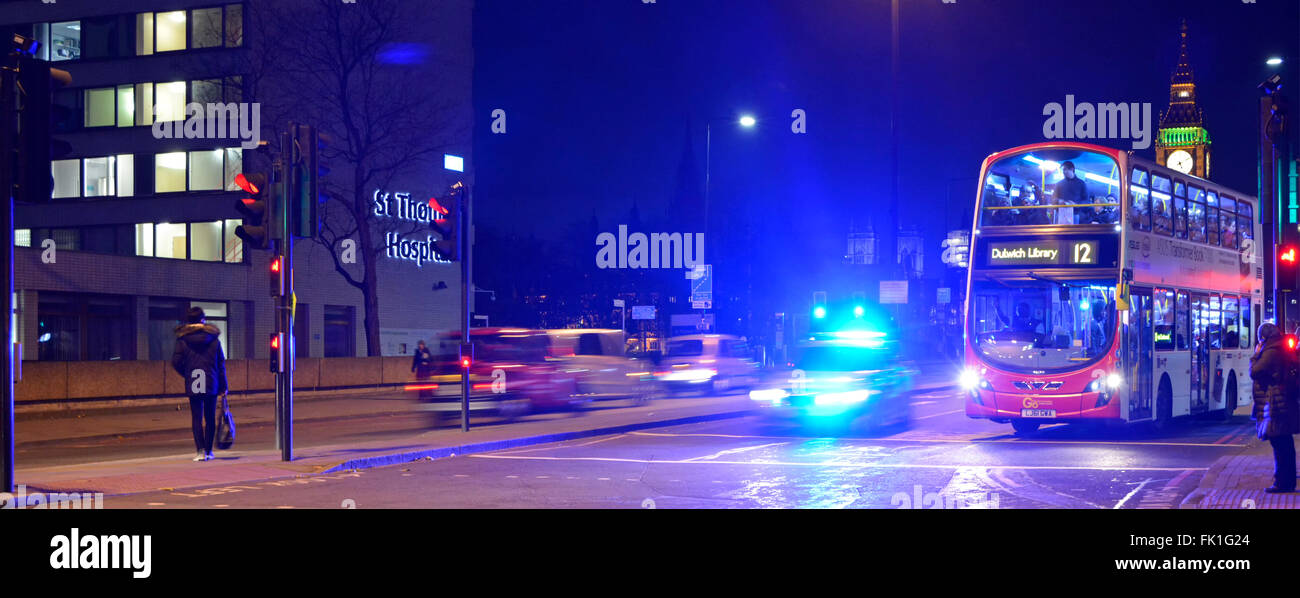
point(1114, 381)
point(969, 379)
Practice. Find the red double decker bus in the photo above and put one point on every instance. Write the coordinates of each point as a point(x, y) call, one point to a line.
point(1106, 287)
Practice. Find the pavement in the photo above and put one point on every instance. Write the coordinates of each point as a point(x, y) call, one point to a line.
point(1238, 481)
point(171, 472)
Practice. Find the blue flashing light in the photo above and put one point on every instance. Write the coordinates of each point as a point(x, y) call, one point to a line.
point(1083, 304)
point(819, 312)
point(857, 334)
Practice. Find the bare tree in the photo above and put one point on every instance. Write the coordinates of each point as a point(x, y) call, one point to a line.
point(359, 73)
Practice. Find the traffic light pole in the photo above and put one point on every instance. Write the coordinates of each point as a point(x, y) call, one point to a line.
point(465, 285)
point(285, 183)
point(8, 116)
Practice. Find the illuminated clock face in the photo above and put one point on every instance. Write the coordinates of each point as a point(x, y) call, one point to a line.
point(1180, 160)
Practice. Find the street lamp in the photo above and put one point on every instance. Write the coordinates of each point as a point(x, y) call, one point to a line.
point(1274, 61)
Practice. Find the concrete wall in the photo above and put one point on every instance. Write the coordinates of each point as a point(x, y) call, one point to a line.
point(52, 381)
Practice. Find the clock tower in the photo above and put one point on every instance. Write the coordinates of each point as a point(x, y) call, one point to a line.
point(1182, 143)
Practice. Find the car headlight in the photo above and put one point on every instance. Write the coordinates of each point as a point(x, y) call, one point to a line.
point(768, 394)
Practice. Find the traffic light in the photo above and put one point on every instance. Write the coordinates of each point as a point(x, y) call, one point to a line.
point(278, 277)
point(819, 305)
point(308, 169)
point(33, 181)
point(277, 352)
point(447, 224)
point(1286, 268)
point(257, 210)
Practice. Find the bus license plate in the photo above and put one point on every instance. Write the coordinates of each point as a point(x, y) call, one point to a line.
point(1037, 413)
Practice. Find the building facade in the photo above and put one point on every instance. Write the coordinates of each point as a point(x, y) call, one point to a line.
point(141, 228)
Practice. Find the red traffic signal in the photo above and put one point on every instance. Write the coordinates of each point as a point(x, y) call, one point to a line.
point(277, 352)
point(278, 278)
point(1290, 341)
point(255, 210)
point(1287, 255)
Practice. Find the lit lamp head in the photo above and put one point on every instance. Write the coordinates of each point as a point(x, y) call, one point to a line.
point(25, 45)
point(747, 121)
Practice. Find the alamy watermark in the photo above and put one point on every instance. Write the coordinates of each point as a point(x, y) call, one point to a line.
point(1109, 120)
point(52, 500)
point(919, 499)
point(656, 250)
point(214, 120)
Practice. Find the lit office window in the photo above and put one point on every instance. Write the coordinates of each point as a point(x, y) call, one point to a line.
point(64, 41)
point(234, 166)
point(169, 172)
point(125, 105)
point(205, 241)
point(99, 107)
point(233, 246)
point(169, 240)
point(125, 175)
point(206, 170)
point(23, 237)
point(67, 178)
point(99, 176)
point(144, 103)
point(205, 27)
point(144, 34)
point(170, 32)
point(169, 101)
point(144, 239)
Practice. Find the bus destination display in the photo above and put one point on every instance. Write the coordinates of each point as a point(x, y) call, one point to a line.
point(1047, 252)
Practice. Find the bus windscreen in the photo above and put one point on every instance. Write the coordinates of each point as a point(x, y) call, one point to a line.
point(1042, 325)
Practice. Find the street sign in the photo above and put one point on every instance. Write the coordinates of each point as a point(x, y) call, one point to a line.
point(643, 312)
point(618, 303)
point(701, 305)
point(945, 295)
point(701, 278)
point(893, 292)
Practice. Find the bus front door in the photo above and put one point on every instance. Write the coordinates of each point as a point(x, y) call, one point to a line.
point(1137, 353)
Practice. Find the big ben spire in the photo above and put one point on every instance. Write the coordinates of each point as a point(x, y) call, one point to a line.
point(1182, 142)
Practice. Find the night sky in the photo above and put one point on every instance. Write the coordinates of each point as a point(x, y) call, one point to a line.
point(599, 93)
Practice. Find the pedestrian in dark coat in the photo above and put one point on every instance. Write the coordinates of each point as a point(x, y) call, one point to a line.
point(422, 367)
point(1273, 372)
point(199, 359)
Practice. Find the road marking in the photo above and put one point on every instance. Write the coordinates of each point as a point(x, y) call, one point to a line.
point(545, 448)
point(543, 477)
point(840, 464)
point(919, 403)
point(1178, 479)
point(156, 504)
point(220, 505)
point(963, 410)
point(735, 450)
point(949, 440)
point(1130, 494)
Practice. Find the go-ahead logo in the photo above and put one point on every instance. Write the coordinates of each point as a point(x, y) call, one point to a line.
point(1032, 403)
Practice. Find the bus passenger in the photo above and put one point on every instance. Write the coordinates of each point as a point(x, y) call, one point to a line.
point(1069, 191)
point(1023, 320)
point(1029, 197)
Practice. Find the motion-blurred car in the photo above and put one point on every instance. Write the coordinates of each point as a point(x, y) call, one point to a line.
point(597, 358)
point(511, 374)
point(843, 379)
point(707, 363)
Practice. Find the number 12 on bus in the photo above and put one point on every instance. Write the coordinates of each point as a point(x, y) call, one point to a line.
point(1106, 287)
